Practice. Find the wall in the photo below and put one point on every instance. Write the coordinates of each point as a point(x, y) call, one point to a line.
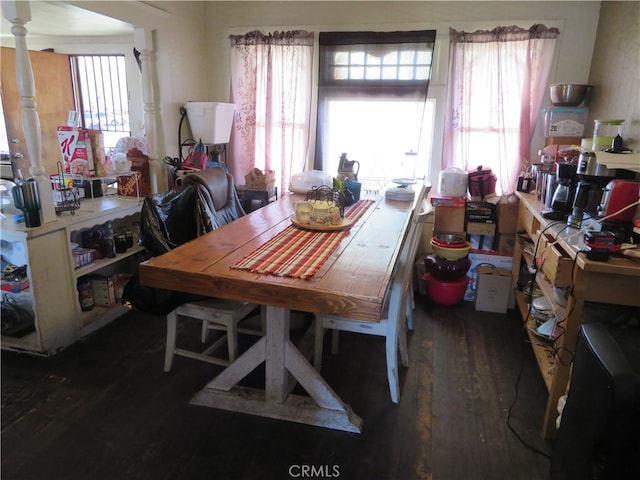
point(191, 38)
point(577, 22)
point(615, 69)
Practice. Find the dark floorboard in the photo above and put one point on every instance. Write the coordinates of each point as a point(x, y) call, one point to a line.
point(104, 409)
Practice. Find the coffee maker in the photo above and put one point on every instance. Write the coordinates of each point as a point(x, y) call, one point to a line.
point(592, 179)
point(562, 200)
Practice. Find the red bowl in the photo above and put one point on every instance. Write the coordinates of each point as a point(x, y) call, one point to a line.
point(445, 292)
point(437, 242)
point(447, 270)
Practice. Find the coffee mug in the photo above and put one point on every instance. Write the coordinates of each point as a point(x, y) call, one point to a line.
point(317, 213)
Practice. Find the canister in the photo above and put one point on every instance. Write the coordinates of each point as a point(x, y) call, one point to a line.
point(604, 132)
point(85, 294)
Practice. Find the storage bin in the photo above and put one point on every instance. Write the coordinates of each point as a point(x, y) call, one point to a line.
point(565, 121)
point(210, 121)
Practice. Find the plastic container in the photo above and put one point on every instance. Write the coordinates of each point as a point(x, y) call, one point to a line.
point(304, 181)
point(210, 121)
point(444, 292)
point(565, 121)
point(452, 182)
point(604, 132)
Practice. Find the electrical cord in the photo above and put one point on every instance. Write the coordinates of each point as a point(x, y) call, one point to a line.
point(513, 403)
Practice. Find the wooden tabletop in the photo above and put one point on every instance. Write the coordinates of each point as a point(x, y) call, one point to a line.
point(352, 283)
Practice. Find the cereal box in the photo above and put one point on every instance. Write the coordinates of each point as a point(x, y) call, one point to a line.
point(77, 156)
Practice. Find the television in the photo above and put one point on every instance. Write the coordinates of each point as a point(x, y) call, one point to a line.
point(599, 433)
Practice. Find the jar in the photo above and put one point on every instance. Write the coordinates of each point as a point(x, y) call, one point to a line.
point(85, 294)
point(129, 237)
point(604, 132)
point(120, 240)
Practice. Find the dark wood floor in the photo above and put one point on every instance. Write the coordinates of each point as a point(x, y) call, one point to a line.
point(104, 409)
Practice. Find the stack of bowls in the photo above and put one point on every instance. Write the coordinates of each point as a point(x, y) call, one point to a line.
point(446, 278)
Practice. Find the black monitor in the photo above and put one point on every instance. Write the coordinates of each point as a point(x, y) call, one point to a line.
point(599, 434)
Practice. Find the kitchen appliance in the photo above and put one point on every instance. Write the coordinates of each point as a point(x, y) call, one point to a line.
point(26, 197)
point(452, 182)
point(593, 177)
point(604, 131)
point(617, 207)
point(562, 200)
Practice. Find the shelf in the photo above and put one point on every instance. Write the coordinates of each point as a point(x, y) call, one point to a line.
point(541, 349)
point(27, 343)
point(100, 316)
point(104, 262)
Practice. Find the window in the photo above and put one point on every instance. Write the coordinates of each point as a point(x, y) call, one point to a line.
point(372, 103)
point(102, 95)
point(498, 79)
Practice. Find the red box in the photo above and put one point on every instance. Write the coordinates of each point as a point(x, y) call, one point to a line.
point(138, 184)
point(75, 146)
point(442, 201)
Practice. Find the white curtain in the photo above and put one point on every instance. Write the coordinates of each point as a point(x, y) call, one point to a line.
point(271, 87)
point(497, 81)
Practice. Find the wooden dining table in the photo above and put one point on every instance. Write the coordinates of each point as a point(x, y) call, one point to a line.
point(352, 282)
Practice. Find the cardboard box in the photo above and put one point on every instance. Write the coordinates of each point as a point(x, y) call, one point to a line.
point(507, 213)
point(482, 242)
point(494, 287)
point(75, 146)
point(138, 185)
point(505, 243)
point(104, 293)
point(442, 201)
point(478, 259)
point(448, 219)
point(96, 138)
point(481, 228)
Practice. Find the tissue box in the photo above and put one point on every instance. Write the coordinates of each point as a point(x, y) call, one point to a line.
point(75, 146)
point(494, 289)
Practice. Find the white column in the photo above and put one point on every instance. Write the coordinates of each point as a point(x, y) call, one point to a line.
point(19, 14)
point(143, 39)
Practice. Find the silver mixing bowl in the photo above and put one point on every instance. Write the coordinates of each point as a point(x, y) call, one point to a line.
point(568, 94)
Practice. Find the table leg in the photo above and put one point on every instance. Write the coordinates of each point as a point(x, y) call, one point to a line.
point(282, 359)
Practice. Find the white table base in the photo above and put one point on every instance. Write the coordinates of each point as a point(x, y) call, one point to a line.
point(284, 366)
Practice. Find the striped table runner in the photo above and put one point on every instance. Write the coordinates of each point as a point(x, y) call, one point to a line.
point(298, 253)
